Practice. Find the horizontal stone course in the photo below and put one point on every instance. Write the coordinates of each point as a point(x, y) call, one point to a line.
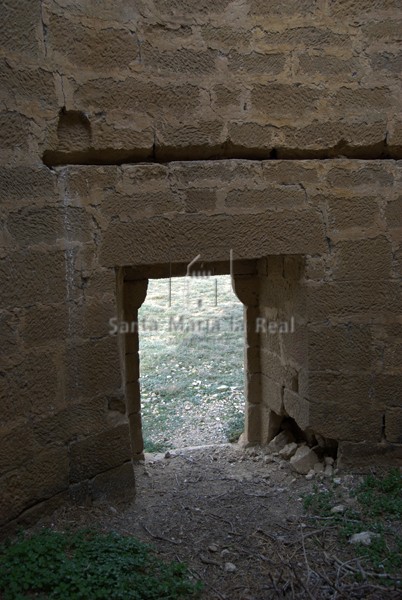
point(265, 235)
point(361, 9)
point(134, 94)
point(26, 184)
point(181, 62)
point(27, 87)
point(306, 37)
point(277, 8)
point(31, 227)
point(351, 212)
point(264, 64)
point(91, 48)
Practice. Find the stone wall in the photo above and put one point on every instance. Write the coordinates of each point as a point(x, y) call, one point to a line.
point(284, 348)
point(188, 78)
point(278, 124)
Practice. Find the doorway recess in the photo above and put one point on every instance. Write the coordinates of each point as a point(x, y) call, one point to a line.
point(191, 333)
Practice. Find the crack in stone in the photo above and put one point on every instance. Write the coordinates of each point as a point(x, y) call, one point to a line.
point(44, 30)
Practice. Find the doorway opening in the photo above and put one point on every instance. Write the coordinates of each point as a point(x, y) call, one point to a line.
point(273, 362)
point(191, 344)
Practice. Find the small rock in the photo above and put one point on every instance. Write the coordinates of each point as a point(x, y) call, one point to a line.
point(230, 567)
point(364, 537)
point(329, 460)
point(279, 441)
point(337, 481)
point(242, 441)
point(225, 552)
point(291, 519)
point(328, 471)
point(288, 451)
point(310, 475)
point(168, 454)
point(213, 548)
point(304, 460)
point(319, 468)
point(268, 459)
point(338, 509)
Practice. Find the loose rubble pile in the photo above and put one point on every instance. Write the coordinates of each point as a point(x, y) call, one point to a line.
point(303, 459)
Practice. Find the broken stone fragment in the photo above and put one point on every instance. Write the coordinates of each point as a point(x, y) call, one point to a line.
point(339, 508)
point(279, 441)
point(328, 471)
point(304, 460)
point(288, 451)
point(319, 468)
point(310, 475)
point(230, 567)
point(364, 537)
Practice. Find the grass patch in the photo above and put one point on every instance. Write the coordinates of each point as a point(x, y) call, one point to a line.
point(234, 427)
point(191, 364)
point(155, 447)
point(319, 502)
point(381, 497)
point(89, 564)
point(374, 505)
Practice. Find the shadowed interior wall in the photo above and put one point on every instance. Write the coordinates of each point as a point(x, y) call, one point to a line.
point(134, 134)
point(283, 349)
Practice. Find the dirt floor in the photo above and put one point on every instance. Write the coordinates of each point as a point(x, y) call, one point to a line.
point(236, 517)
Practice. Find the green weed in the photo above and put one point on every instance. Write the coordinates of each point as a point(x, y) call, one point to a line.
point(89, 564)
point(155, 447)
point(234, 427)
point(319, 502)
point(381, 496)
point(377, 508)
